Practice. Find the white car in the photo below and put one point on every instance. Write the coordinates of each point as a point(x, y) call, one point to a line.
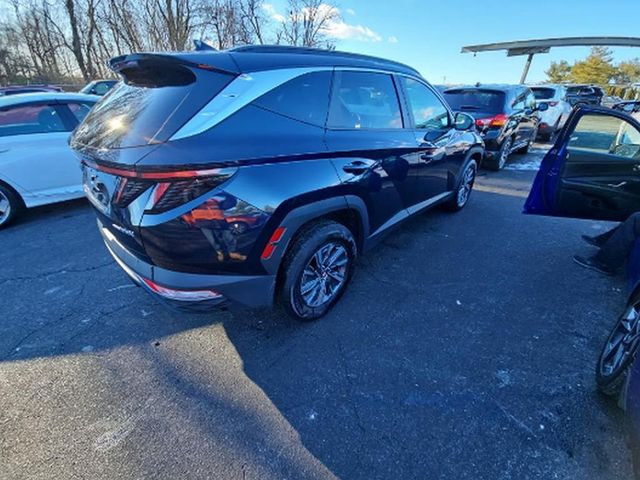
point(552, 120)
point(36, 164)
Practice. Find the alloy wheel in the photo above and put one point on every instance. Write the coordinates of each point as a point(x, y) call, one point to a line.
point(466, 185)
point(622, 342)
point(324, 275)
point(5, 208)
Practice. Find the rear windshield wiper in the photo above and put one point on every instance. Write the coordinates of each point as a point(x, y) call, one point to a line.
point(469, 107)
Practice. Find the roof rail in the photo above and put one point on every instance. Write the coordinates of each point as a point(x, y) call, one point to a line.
point(284, 49)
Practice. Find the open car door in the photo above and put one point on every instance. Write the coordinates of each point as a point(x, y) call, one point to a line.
point(593, 170)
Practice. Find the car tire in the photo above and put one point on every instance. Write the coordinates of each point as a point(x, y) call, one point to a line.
point(524, 150)
point(464, 188)
point(10, 205)
point(619, 350)
point(311, 281)
point(499, 160)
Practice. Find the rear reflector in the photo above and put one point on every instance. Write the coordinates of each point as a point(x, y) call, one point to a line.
point(273, 243)
point(181, 295)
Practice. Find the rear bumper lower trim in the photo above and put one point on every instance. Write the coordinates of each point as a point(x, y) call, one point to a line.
point(245, 290)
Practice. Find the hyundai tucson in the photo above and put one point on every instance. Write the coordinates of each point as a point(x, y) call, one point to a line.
point(261, 173)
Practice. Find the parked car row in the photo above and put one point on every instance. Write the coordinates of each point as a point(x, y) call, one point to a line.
point(96, 87)
point(507, 117)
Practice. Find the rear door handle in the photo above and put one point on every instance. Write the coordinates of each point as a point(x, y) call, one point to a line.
point(357, 167)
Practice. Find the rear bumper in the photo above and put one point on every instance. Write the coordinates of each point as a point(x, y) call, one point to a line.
point(242, 290)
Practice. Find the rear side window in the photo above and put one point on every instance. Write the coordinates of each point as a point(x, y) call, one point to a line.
point(149, 107)
point(305, 98)
point(427, 110)
point(544, 93)
point(364, 100)
point(29, 119)
point(485, 101)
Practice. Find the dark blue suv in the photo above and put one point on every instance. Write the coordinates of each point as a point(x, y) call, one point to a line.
point(260, 173)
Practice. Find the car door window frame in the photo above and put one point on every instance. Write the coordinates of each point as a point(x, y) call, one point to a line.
point(335, 81)
point(410, 123)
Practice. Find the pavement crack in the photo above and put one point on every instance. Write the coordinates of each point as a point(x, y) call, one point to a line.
point(52, 273)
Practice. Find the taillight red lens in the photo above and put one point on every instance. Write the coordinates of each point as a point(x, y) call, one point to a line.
point(171, 194)
point(497, 121)
point(553, 104)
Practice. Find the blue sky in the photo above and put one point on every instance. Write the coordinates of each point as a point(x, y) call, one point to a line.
point(428, 35)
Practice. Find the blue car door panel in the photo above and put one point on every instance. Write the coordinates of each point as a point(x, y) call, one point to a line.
point(593, 170)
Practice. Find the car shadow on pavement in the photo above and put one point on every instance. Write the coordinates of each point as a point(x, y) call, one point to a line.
point(422, 370)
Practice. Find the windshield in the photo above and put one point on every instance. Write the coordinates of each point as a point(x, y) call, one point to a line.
point(486, 101)
point(544, 93)
point(148, 108)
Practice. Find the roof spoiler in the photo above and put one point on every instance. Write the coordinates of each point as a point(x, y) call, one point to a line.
point(203, 60)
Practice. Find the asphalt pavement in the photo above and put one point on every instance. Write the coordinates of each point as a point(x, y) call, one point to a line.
point(463, 349)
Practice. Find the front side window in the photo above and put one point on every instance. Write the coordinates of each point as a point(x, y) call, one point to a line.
point(518, 103)
point(531, 101)
point(30, 119)
point(607, 135)
point(79, 110)
point(427, 109)
point(363, 100)
point(305, 98)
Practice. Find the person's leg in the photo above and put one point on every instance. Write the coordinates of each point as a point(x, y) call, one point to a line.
point(615, 251)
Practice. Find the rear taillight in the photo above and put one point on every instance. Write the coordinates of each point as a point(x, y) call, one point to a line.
point(128, 190)
point(171, 194)
point(496, 121)
point(170, 188)
point(552, 104)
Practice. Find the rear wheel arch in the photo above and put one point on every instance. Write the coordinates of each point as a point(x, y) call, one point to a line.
point(349, 211)
point(15, 204)
point(15, 192)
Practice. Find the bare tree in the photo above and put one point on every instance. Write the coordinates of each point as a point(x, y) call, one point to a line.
point(307, 22)
point(63, 40)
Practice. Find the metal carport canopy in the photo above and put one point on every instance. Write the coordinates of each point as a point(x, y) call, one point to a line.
point(531, 47)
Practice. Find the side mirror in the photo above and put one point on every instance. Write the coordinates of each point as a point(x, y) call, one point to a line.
point(542, 107)
point(463, 121)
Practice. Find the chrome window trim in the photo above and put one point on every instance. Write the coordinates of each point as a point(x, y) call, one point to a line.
point(250, 86)
point(242, 90)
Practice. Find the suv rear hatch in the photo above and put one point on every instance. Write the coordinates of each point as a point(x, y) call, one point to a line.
point(158, 94)
point(485, 105)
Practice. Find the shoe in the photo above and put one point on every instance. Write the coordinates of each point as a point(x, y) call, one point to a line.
point(593, 264)
point(593, 241)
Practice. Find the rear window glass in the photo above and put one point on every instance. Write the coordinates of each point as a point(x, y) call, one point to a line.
point(544, 93)
point(364, 100)
point(29, 119)
point(486, 101)
point(148, 108)
point(305, 98)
